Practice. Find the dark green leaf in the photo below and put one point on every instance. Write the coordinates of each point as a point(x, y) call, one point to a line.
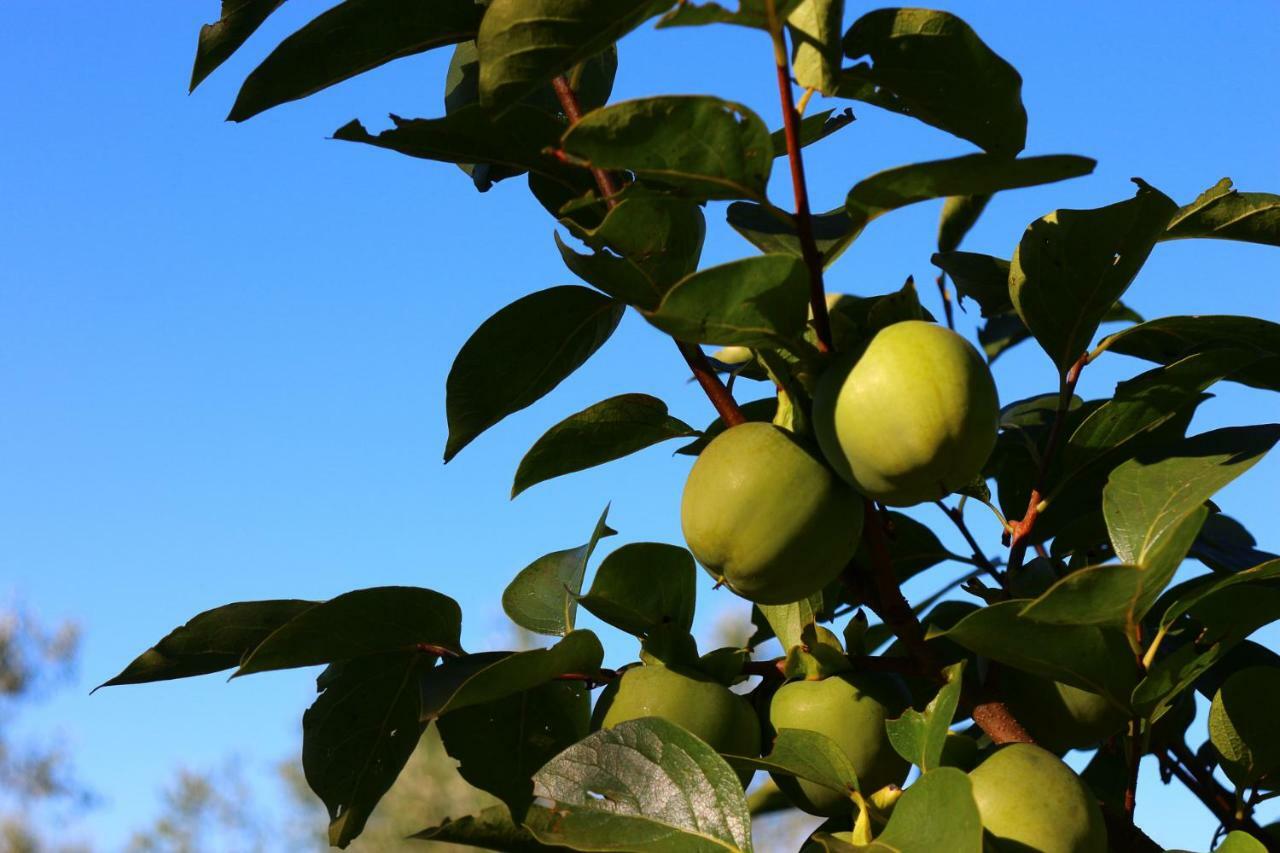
point(650, 137)
point(521, 353)
point(937, 812)
point(813, 129)
point(608, 430)
point(1072, 265)
point(790, 621)
point(349, 39)
point(357, 624)
point(755, 410)
point(223, 37)
point(774, 232)
point(758, 301)
point(1228, 214)
point(920, 736)
point(982, 278)
point(544, 596)
point(523, 44)
point(815, 39)
point(807, 755)
point(1224, 545)
point(959, 214)
point(501, 744)
point(1197, 592)
point(642, 585)
point(913, 547)
point(1171, 338)
point(750, 13)
point(359, 734)
point(1000, 334)
point(932, 66)
point(214, 640)
point(487, 677)
point(1242, 726)
point(489, 829)
point(644, 785)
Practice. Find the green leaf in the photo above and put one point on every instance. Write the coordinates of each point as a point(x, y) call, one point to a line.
point(642, 585)
point(920, 736)
point(758, 301)
point(643, 246)
point(815, 40)
point(218, 40)
point(750, 13)
point(608, 430)
point(982, 278)
point(357, 624)
point(350, 39)
point(1004, 331)
point(1090, 657)
point(1242, 726)
point(932, 66)
point(789, 621)
point(959, 214)
point(544, 595)
point(490, 829)
point(500, 745)
point(479, 679)
point(813, 128)
point(1227, 214)
point(1240, 841)
point(1193, 594)
point(1224, 545)
point(523, 44)
point(521, 353)
point(774, 232)
point(214, 640)
point(760, 411)
point(807, 755)
point(913, 547)
point(1072, 265)
point(1171, 338)
point(937, 812)
point(646, 786)
point(650, 137)
point(359, 734)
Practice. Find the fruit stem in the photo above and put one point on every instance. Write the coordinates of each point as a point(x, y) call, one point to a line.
point(715, 390)
point(803, 217)
point(1022, 529)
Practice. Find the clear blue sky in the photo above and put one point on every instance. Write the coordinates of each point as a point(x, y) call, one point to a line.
point(223, 348)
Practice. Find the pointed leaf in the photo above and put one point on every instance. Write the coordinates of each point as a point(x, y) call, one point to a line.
point(813, 128)
point(218, 40)
point(1072, 265)
point(357, 624)
point(959, 214)
point(982, 278)
point(650, 137)
point(806, 755)
point(1195, 593)
point(350, 39)
point(1170, 338)
point(773, 232)
point(214, 640)
point(1227, 214)
point(520, 354)
point(544, 596)
point(643, 585)
point(489, 829)
point(759, 301)
point(646, 786)
point(920, 736)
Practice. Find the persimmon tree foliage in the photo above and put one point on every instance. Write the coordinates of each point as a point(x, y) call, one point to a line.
point(1075, 637)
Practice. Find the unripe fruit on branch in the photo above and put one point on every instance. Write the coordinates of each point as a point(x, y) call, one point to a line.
point(766, 516)
point(1058, 716)
point(691, 700)
point(911, 420)
point(1030, 800)
point(851, 709)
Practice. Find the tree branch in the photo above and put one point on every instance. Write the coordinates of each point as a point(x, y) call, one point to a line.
point(979, 559)
point(1180, 762)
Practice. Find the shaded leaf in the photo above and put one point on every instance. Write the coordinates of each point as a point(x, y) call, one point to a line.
point(937, 812)
point(600, 433)
point(1004, 331)
point(214, 640)
point(521, 353)
point(982, 278)
point(919, 736)
point(544, 595)
point(761, 411)
point(218, 40)
point(350, 39)
point(644, 785)
point(790, 621)
point(758, 301)
point(1225, 546)
point(750, 13)
point(1194, 593)
point(807, 755)
point(913, 547)
point(489, 829)
point(774, 232)
point(357, 624)
point(651, 138)
point(1242, 726)
point(643, 585)
point(1227, 214)
point(932, 66)
point(813, 128)
point(1171, 338)
point(358, 735)
point(959, 214)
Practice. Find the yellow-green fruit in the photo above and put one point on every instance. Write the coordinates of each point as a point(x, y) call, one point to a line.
point(691, 700)
point(765, 515)
point(1058, 716)
point(851, 709)
point(913, 419)
point(1030, 800)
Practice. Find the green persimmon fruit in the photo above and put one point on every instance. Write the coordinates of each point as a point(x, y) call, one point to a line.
point(1030, 800)
point(1059, 716)
point(766, 516)
point(691, 700)
point(911, 420)
point(851, 709)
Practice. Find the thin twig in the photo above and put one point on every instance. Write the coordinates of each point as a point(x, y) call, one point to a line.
point(979, 559)
point(1181, 763)
point(947, 308)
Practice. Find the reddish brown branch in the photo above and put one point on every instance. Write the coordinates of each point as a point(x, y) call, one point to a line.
point(889, 603)
point(1022, 529)
point(573, 111)
point(1180, 762)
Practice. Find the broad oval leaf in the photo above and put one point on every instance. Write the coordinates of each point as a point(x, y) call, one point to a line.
point(1227, 214)
point(932, 66)
point(357, 624)
point(521, 353)
point(1242, 726)
point(1197, 592)
point(214, 640)
point(543, 597)
point(937, 812)
point(600, 433)
point(774, 232)
point(643, 585)
point(349, 39)
point(807, 755)
point(1071, 267)
point(650, 137)
point(919, 736)
point(646, 786)
point(220, 39)
point(815, 44)
point(1171, 338)
point(759, 301)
